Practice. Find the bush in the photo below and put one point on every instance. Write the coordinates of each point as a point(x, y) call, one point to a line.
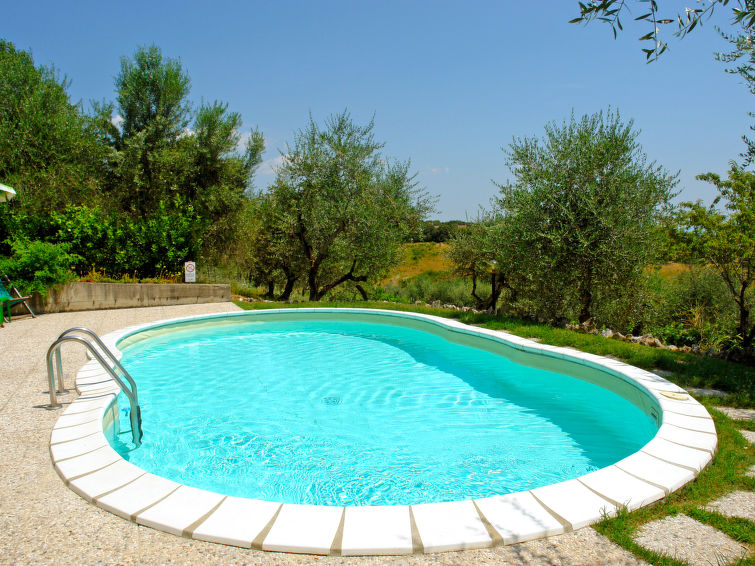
point(119, 245)
point(692, 307)
point(36, 266)
point(433, 286)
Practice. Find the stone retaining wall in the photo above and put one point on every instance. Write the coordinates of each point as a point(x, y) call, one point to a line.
point(98, 296)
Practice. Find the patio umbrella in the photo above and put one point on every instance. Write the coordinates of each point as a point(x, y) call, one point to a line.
point(6, 193)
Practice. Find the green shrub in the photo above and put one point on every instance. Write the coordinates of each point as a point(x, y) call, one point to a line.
point(120, 245)
point(433, 286)
point(36, 266)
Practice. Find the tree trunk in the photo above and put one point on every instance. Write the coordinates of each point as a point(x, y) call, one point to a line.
point(585, 297)
point(270, 290)
point(361, 292)
point(744, 326)
point(312, 283)
point(290, 281)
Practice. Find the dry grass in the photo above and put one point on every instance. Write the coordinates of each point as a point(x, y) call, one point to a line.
point(420, 258)
point(671, 269)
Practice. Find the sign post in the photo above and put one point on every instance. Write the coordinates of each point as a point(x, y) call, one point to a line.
point(190, 272)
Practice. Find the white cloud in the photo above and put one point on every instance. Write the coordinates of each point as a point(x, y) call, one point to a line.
point(117, 120)
point(269, 166)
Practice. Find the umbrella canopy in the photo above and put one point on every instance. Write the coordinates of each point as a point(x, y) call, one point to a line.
point(6, 193)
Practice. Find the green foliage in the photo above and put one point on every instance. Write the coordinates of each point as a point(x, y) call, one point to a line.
point(691, 307)
point(48, 151)
point(429, 287)
point(726, 240)
point(118, 245)
point(34, 266)
point(338, 210)
point(438, 231)
point(483, 253)
point(151, 97)
point(156, 163)
point(571, 231)
point(611, 11)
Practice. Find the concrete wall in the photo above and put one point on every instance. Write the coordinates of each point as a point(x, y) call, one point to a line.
point(97, 296)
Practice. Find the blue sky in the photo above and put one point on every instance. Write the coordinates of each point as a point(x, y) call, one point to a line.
point(449, 83)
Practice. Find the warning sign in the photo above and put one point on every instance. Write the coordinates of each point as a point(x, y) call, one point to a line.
point(190, 272)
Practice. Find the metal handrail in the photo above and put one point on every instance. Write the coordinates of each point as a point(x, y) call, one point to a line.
point(102, 347)
point(131, 393)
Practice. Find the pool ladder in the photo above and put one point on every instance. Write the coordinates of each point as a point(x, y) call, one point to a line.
point(100, 352)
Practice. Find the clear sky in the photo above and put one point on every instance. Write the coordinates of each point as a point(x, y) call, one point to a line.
point(449, 83)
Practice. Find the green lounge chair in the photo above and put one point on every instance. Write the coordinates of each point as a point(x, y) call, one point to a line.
point(7, 300)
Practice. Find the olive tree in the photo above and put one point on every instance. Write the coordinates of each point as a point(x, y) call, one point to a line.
point(48, 150)
point(655, 18)
point(577, 218)
point(725, 239)
point(343, 208)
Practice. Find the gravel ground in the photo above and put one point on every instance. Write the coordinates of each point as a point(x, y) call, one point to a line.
point(43, 522)
point(683, 538)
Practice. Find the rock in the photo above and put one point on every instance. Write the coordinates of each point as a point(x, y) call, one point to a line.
point(672, 348)
point(607, 333)
point(436, 304)
point(419, 303)
point(657, 343)
point(619, 336)
point(635, 339)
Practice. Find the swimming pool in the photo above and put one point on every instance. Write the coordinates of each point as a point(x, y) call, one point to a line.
point(457, 494)
point(348, 409)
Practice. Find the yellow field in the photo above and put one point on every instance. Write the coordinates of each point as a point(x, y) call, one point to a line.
point(419, 258)
point(672, 269)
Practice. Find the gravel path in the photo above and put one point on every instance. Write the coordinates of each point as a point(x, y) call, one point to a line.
point(44, 522)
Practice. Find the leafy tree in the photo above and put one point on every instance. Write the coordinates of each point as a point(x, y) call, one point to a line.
point(164, 153)
point(34, 265)
point(267, 249)
point(476, 253)
point(575, 223)
point(611, 12)
point(742, 55)
point(48, 150)
point(726, 240)
point(342, 206)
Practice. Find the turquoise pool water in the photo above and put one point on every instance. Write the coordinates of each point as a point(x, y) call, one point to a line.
point(346, 412)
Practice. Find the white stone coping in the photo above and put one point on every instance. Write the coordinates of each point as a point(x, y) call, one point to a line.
point(684, 445)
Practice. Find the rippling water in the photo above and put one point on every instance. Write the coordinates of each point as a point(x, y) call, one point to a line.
point(350, 413)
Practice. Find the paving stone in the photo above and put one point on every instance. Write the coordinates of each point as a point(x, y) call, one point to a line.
point(738, 414)
point(751, 472)
point(703, 392)
point(749, 435)
point(685, 539)
point(735, 504)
